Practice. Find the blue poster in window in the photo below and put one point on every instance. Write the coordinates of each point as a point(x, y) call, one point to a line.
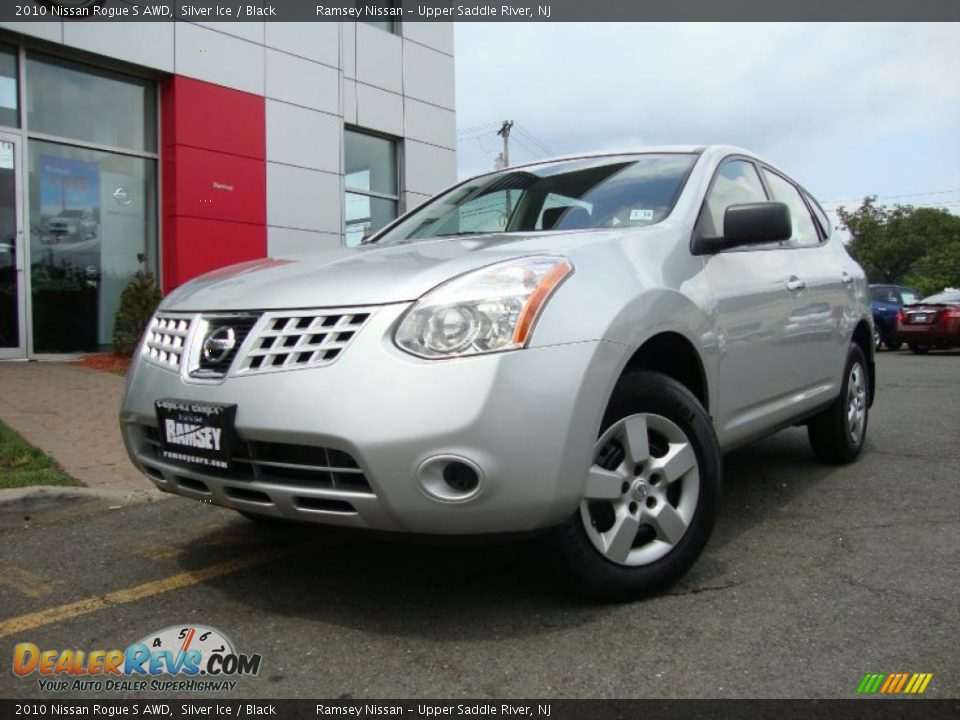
point(69, 198)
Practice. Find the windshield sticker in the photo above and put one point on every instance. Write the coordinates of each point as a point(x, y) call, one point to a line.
point(636, 214)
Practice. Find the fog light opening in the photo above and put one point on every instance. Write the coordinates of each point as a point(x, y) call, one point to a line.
point(450, 478)
point(461, 477)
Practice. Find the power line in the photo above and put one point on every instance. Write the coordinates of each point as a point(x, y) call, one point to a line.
point(477, 130)
point(535, 140)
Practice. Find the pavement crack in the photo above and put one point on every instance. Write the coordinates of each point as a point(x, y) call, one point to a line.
point(705, 588)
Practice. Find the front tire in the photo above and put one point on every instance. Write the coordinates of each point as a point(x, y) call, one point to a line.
point(837, 433)
point(892, 345)
point(918, 348)
point(651, 495)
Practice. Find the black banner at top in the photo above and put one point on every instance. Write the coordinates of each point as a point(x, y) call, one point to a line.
point(458, 11)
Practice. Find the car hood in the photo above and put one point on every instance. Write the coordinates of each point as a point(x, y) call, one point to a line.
point(367, 275)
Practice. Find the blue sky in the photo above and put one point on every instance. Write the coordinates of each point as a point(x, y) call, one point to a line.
point(847, 109)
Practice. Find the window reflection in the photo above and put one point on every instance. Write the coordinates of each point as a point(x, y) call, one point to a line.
point(75, 101)
point(92, 225)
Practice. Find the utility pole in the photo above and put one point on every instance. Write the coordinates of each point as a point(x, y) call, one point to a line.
point(504, 160)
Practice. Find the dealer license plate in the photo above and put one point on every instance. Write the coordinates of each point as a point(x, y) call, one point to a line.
point(196, 433)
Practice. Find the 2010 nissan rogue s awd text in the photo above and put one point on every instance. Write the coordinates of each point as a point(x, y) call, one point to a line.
point(567, 345)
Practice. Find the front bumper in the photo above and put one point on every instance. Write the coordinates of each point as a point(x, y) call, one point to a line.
point(527, 419)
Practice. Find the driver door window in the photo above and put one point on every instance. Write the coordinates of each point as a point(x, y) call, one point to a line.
point(736, 182)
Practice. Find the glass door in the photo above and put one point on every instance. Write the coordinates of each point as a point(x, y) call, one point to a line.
point(12, 261)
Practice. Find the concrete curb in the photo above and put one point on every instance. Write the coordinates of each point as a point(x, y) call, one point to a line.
point(45, 505)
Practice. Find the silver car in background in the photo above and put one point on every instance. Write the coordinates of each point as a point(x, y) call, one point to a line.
point(566, 346)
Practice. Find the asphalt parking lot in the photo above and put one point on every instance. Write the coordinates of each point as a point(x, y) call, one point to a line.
point(815, 576)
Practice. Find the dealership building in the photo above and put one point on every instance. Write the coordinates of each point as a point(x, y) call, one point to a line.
point(183, 147)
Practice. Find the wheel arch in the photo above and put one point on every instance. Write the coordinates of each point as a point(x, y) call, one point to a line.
point(863, 336)
point(675, 355)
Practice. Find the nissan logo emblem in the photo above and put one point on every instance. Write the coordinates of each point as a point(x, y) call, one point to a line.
point(218, 345)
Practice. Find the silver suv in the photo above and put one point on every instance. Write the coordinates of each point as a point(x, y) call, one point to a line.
point(566, 346)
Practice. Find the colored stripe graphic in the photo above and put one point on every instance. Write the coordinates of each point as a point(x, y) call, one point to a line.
point(894, 683)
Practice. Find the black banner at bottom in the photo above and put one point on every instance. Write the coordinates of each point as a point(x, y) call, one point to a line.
point(865, 709)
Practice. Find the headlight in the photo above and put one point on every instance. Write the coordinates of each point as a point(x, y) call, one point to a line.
point(488, 310)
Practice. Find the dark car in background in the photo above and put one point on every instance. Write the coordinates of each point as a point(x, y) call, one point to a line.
point(885, 302)
point(931, 324)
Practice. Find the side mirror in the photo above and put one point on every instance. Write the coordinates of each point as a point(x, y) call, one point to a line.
point(749, 224)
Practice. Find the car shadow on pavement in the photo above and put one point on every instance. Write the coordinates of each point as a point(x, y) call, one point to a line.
point(456, 588)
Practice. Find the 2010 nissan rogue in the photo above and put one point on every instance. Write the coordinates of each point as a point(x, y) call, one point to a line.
point(568, 345)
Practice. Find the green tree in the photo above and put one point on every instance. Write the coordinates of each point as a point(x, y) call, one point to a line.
point(919, 247)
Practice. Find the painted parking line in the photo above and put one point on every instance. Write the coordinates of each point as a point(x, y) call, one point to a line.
point(60, 613)
point(26, 582)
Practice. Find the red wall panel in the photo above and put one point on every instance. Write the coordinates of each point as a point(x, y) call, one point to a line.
point(209, 116)
point(218, 186)
point(213, 244)
point(214, 178)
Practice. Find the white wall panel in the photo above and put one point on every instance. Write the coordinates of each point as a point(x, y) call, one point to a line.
point(428, 75)
point(413, 200)
point(211, 56)
point(349, 100)
point(348, 48)
point(298, 136)
point(303, 199)
point(302, 82)
point(429, 123)
point(428, 168)
point(379, 110)
point(437, 35)
point(379, 58)
point(318, 41)
point(52, 31)
point(252, 31)
point(288, 243)
point(143, 43)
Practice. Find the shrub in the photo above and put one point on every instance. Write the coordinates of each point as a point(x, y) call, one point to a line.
point(137, 305)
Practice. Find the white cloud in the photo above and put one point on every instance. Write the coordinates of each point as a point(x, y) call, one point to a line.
point(800, 94)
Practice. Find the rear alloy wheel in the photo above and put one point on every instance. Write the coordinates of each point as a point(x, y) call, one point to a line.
point(877, 339)
point(919, 348)
point(837, 433)
point(651, 495)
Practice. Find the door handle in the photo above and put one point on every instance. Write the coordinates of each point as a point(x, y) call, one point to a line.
point(794, 284)
point(846, 278)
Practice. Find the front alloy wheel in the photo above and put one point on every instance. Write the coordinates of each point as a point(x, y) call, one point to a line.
point(642, 490)
point(651, 493)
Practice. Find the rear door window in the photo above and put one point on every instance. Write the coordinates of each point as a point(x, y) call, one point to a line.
point(804, 231)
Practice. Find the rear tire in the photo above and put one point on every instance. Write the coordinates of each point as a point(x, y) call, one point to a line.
point(651, 496)
point(918, 348)
point(893, 345)
point(837, 433)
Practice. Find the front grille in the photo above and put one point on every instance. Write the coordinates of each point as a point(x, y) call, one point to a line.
point(305, 466)
point(302, 339)
point(166, 338)
point(216, 365)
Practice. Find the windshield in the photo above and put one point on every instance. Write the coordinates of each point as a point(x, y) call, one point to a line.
point(947, 298)
point(70, 213)
point(607, 192)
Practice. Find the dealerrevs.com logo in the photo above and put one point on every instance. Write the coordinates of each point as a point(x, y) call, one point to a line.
point(192, 658)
